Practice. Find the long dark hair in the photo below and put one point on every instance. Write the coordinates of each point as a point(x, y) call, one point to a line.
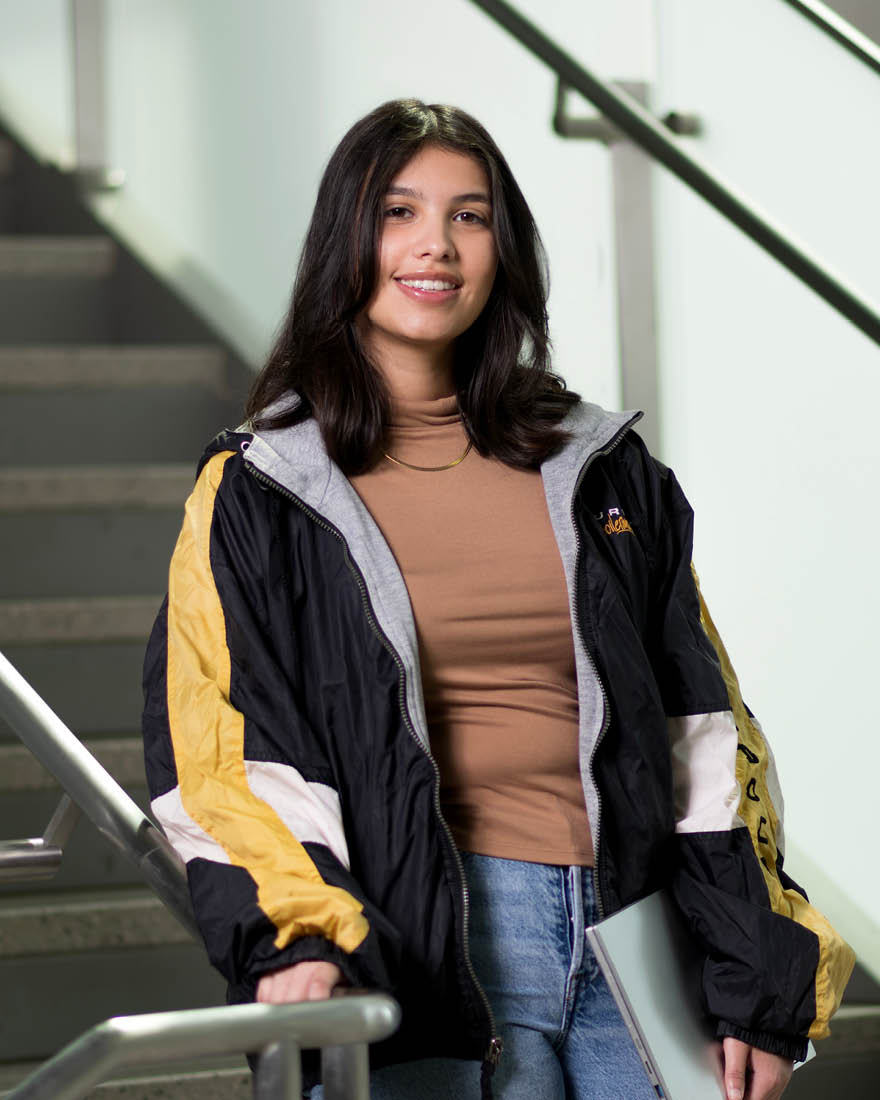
point(511, 403)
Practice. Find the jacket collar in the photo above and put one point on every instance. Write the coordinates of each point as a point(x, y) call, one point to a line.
point(296, 458)
point(592, 430)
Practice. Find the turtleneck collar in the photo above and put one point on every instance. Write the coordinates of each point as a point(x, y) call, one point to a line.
point(436, 412)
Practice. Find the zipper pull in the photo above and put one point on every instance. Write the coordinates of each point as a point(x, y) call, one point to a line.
point(494, 1051)
point(487, 1070)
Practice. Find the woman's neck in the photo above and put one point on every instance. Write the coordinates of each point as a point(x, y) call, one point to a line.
point(416, 373)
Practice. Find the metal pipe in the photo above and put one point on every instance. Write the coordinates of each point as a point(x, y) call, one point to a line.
point(345, 1072)
point(88, 82)
point(205, 1032)
point(842, 31)
point(95, 791)
point(40, 857)
point(646, 131)
point(88, 23)
point(28, 860)
point(279, 1073)
point(62, 823)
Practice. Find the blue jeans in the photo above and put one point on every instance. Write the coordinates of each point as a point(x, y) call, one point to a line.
point(563, 1036)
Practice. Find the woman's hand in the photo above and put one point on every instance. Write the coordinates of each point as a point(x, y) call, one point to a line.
point(305, 981)
point(752, 1074)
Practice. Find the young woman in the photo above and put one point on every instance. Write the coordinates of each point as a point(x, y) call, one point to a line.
point(434, 689)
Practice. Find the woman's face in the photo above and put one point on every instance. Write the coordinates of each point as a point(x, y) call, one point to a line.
point(437, 257)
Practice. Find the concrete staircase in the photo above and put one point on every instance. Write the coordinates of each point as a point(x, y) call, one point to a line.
point(220, 1081)
point(109, 389)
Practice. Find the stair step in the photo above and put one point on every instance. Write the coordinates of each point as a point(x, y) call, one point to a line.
point(123, 757)
point(95, 689)
point(90, 861)
point(23, 257)
point(111, 366)
point(119, 426)
point(88, 921)
point(862, 988)
point(227, 1079)
point(98, 619)
point(854, 1030)
point(848, 1061)
point(7, 157)
point(9, 196)
point(87, 488)
point(85, 554)
point(228, 1084)
point(67, 310)
point(47, 1000)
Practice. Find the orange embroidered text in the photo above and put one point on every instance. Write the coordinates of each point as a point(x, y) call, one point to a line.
point(617, 525)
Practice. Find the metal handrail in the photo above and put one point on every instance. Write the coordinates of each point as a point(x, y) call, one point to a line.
point(96, 792)
point(629, 115)
point(841, 30)
point(340, 1026)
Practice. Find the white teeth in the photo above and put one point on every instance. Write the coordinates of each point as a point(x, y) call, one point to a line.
point(428, 284)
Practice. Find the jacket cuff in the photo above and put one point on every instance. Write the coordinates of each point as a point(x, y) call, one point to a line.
point(313, 949)
point(783, 1045)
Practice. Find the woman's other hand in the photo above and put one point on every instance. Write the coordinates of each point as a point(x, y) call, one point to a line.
point(752, 1074)
point(305, 981)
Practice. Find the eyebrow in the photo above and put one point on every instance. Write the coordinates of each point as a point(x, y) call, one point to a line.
point(469, 196)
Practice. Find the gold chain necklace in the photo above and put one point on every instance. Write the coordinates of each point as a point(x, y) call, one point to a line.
point(430, 469)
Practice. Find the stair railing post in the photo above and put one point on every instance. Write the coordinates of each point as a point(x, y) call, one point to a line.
point(279, 1073)
point(345, 1072)
point(93, 171)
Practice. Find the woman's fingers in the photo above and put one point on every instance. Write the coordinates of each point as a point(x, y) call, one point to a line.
point(305, 981)
point(753, 1074)
point(736, 1057)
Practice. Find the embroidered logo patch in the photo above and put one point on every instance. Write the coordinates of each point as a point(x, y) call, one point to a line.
point(616, 522)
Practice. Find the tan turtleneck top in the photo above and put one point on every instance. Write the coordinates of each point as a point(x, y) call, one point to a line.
point(485, 579)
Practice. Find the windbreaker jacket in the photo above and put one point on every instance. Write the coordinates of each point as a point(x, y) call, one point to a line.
point(288, 754)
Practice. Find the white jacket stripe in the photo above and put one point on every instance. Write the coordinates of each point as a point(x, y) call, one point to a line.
point(707, 794)
point(189, 839)
point(310, 810)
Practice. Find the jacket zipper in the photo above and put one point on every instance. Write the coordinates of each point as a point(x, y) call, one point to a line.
point(597, 889)
point(495, 1046)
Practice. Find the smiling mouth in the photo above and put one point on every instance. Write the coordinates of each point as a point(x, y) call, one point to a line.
point(429, 284)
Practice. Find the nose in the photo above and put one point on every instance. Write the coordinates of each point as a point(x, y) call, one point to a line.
point(434, 240)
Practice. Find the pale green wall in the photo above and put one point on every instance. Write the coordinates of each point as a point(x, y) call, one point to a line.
point(35, 73)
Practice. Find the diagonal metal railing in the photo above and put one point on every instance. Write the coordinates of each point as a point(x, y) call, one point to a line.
point(638, 124)
point(341, 1027)
point(89, 786)
point(841, 30)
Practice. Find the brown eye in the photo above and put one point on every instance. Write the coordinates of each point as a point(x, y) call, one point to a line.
point(471, 217)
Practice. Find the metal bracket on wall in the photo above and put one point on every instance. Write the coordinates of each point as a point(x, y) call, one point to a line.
point(631, 170)
point(599, 128)
point(40, 857)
